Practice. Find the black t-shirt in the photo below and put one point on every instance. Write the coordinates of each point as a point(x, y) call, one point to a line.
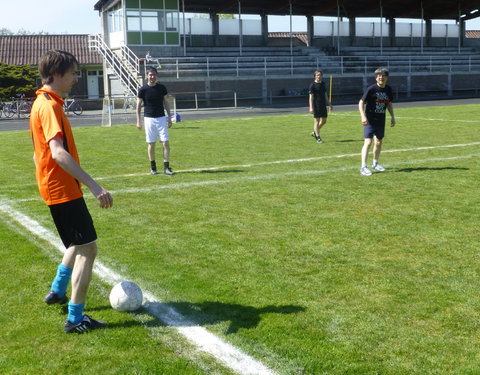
point(318, 90)
point(376, 99)
point(152, 97)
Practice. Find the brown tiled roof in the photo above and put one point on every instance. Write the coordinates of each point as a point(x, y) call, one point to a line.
point(27, 49)
point(472, 34)
point(300, 36)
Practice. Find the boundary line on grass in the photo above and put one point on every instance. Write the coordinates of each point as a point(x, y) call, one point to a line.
point(412, 118)
point(200, 337)
point(250, 165)
point(258, 177)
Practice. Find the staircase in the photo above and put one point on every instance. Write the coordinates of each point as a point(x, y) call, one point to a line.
point(123, 63)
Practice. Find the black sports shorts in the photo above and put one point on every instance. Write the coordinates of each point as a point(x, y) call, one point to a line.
point(374, 130)
point(74, 223)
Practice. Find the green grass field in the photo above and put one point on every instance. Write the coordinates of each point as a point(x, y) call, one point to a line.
point(268, 240)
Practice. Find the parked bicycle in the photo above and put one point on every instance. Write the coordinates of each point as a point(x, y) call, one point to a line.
point(129, 103)
point(18, 106)
point(72, 105)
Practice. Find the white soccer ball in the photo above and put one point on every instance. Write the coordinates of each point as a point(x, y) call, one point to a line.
point(126, 296)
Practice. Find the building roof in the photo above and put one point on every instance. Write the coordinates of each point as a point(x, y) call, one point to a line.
point(432, 9)
point(27, 49)
point(301, 36)
point(472, 34)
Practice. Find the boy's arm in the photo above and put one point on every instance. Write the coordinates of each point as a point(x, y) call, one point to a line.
point(69, 165)
point(361, 108)
point(390, 110)
point(329, 104)
point(310, 103)
point(139, 113)
point(167, 109)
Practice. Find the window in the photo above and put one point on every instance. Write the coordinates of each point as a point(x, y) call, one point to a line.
point(133, 20)
point(115, 21)
point(172, 21)
point(152, 21)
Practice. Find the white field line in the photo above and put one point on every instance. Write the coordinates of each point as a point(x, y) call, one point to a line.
point(204, 340)
point(301, 160)
point(262, 177)
point(410, 118)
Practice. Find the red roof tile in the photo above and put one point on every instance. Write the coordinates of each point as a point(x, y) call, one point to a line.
point(472, 34)
point(27, 49)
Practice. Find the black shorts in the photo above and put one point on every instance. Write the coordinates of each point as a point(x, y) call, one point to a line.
point(374, 130)
point(320, 111)
point(74, 223)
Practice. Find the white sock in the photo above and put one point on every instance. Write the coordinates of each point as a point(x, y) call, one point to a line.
point(375, 162)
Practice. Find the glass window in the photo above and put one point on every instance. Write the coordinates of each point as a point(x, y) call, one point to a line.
point(172, 21)
point(150, 21)
point(115, 21)
point(133, 20)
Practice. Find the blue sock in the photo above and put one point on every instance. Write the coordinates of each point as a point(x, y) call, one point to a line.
point(75, 312)
point(61, 280)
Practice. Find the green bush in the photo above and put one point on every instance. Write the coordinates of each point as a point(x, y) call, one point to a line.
point(16, 80)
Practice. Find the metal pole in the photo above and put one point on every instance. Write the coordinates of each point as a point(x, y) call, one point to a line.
point(240, 31)
point(338, 28)
point(291, 35)
point(184, 37)
point(459, 27)
point(381, 28)
point(421, 30)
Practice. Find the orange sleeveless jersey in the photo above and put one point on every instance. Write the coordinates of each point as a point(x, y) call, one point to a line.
point(47, 120)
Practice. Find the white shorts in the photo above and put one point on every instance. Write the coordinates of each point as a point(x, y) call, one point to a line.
point(156, 128)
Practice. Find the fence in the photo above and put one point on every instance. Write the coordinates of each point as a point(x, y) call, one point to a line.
point(268, 66)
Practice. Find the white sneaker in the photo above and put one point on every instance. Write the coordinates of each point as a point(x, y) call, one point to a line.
point(365, 171)
point(378, 168)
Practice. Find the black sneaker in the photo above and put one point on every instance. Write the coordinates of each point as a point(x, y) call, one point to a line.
point(168, 171)
point(53, 297)
point(87, 324)
point(153, 171)
point(319, 140)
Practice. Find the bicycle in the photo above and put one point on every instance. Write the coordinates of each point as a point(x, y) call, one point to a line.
point(72, 105)
point(129, 102)
point(18, 106)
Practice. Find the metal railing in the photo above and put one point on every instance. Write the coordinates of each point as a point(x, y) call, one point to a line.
point(125, 67)
point(266, 66)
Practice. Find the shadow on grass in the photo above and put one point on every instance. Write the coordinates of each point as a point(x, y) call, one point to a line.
point(431, 169)
point(186, 314)
point(222, 171)
point(207, 313)
point(349, 140)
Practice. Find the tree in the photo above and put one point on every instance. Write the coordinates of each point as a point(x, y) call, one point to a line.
point(17, 80)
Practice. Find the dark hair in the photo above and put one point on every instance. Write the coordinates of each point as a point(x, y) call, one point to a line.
point(317, 71)
point(151, 69)
point(382, 71)
point(55, 62)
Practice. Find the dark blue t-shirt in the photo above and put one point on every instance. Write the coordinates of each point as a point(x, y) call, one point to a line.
point(152, 97)
point(376, 99)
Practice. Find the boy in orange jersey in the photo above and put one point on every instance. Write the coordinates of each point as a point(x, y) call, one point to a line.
point(59, 176)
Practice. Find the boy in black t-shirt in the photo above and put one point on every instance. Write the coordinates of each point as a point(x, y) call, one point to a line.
point(152, 97)
point(373, 106)
point(318, 103)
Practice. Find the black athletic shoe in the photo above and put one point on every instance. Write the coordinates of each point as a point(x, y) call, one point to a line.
point(53, 297)
point(168, 171)
point(87, 324)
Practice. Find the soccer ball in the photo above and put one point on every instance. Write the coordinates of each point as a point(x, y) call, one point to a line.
point(176, 117)
point(126, 296)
